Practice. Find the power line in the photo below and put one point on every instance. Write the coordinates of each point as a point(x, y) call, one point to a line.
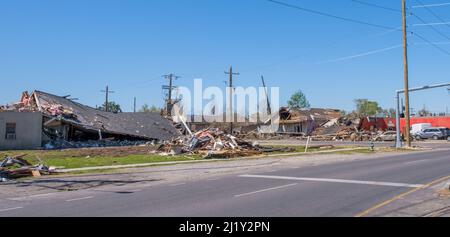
point(432, 27)
point(361, 54)
point(330, 15)
point(377, 6)
point(433, 24)
point(431, 12)
point(432, 5)
point(431, 43)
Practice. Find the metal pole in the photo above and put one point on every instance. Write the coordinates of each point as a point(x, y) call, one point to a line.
point(397, 111)
point(398, 143)
point(269, 109)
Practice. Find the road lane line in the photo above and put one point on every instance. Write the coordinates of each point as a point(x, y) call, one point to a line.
point(174, 185)
point(135, 190)
point(79, 199)
point(10, 209)
point(416, 162)
point(265, 190)
point(32, 196)
point(335, 181)
point(389, 201)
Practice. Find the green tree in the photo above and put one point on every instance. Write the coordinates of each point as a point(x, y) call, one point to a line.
point(112, 107)
point(298, 101)
point(366, 108)
point(146, 109)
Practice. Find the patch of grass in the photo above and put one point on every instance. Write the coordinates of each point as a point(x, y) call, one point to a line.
point(356, 151)
point(80, 162)
point(66, 159)
point(301, 148)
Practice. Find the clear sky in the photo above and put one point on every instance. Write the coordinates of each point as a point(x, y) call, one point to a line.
point(78, 47)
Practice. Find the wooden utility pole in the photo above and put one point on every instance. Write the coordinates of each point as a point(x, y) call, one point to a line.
point(269, 109)
point(169, 102)
point(107, 91)
point(405, 61)
point(230, 85)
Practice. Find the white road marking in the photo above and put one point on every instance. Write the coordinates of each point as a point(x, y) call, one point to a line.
point(265, 190)
point(10, 209)
point(212, 179)
point(174, 185)
point(415, 162)
point(32, 196)
point(78, 199)
point(135, 190)
point(335, 181)
point(271, 171)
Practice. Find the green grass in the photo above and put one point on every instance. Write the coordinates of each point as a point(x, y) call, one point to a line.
point(69, 160)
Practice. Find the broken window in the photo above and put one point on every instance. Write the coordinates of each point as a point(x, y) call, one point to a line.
point(10, 131)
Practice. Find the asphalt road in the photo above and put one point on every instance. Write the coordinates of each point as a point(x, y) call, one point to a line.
point(425, 143)
point(339, 189)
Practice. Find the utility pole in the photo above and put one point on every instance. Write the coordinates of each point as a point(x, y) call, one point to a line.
point(269, 109)
point(169, 102)
point(107, 91)
point(134, 105)
point(230, 85)
point(405, 61)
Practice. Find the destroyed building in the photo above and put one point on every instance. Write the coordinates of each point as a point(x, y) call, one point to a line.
point(65, 122)
point(305, 122)
point(241, 124)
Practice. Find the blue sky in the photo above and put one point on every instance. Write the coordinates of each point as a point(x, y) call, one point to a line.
point(78, 47)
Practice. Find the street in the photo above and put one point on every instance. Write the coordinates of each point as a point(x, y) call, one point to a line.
point(336, 189)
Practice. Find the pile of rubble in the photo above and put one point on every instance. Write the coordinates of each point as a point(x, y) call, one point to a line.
point(17, 167)
point(63, 144)
point(345, 128)
point(214, 143)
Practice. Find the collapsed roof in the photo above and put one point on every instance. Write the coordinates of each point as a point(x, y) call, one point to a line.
point(148, 126)
point(290, 116)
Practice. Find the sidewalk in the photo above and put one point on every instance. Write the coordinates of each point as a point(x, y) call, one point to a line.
point(432, 201)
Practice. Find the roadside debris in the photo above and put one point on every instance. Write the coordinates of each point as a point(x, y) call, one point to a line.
point(63, 144)
point(215, 143)
point(17, 167)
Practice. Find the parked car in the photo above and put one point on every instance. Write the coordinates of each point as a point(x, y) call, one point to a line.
point(386, 136)
point(447, 130)
point(418, 127)
point(433, 133)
